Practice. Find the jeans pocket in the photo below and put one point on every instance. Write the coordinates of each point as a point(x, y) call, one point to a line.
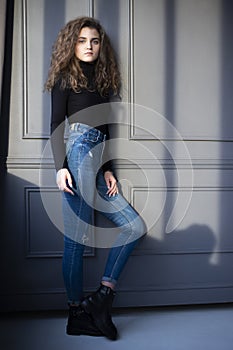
point(74, 148)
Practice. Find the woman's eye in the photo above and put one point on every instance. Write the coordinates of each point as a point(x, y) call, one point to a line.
point(81, 41)
point(96, 42)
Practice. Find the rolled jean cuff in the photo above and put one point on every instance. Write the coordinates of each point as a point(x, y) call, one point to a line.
point(109, 279)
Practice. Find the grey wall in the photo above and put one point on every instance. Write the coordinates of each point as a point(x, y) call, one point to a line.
point(2, 36)
point(176, 63)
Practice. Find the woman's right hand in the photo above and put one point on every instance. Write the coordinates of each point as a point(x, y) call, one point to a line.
point(64, 178)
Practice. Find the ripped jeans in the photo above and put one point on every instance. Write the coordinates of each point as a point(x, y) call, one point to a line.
point(84, 153)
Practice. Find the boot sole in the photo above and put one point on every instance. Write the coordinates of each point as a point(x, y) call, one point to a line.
point(75, 331)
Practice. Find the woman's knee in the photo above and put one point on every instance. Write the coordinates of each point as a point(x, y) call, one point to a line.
point(138, 227)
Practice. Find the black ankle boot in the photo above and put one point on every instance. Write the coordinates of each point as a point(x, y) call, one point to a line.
point(99, 306)
point(79, 322)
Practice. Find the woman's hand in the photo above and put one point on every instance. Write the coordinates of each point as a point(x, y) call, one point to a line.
point(64, 178)
point(111, 183)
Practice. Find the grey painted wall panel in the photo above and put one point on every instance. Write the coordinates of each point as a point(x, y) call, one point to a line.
point(175, 58)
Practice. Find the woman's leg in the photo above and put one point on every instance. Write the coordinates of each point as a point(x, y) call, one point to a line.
point(77, 218)
point(77, 214)
point(79, 322)
point(83, 149)
point(72, 265)
point(131, 229)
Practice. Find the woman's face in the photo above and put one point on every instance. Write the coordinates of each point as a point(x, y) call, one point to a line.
point(88, 45)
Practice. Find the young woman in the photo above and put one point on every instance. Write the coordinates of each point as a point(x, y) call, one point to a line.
point(84, 73)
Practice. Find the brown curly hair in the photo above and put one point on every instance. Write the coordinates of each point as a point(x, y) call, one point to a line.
point(65, 65)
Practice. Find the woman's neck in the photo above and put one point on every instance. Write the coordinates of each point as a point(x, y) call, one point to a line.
point(88, 69)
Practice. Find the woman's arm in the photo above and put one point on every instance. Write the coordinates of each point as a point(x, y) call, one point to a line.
point(57, 126)
point(108, 169)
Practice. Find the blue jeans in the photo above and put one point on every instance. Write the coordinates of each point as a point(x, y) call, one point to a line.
point(85, 147)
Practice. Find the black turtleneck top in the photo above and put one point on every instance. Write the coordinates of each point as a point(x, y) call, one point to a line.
point(66, 103)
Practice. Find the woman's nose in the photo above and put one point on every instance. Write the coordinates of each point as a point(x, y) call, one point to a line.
point(89, 45)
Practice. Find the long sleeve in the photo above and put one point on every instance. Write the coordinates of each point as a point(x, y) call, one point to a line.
point(108, 165)
point(66, 103)
point(59, 99)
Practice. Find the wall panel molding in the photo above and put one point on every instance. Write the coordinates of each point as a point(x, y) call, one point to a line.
point(91, 8)
point(37, 241)
point(15, 162)
point(27, 133)
point(134, 132)
point(171, 244)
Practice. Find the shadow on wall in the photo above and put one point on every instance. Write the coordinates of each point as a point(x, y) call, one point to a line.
point(225, 222)
point(181, 264)
point(31, 250)
point(5, 100)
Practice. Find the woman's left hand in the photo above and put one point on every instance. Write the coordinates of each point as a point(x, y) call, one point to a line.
point(111, 183)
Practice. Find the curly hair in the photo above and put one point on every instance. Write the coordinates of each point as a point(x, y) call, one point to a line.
point(65, 65)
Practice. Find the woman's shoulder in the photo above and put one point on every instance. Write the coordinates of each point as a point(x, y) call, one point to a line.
point(59, 87)
point(114, 97)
